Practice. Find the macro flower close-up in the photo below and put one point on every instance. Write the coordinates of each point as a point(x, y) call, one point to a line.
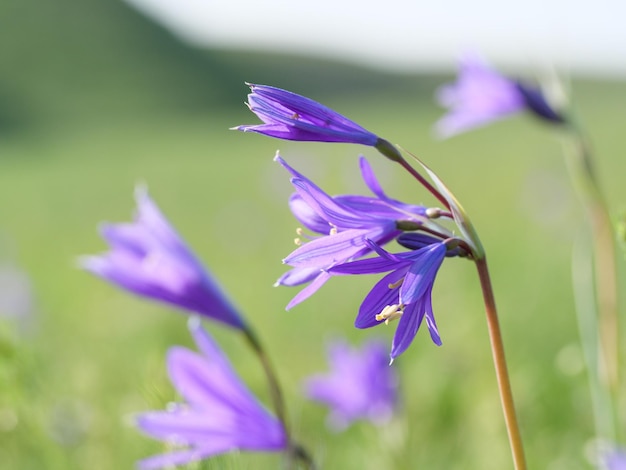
point(360, 384)
point(404, 294)
point(482, 95)
point(148, 258)
point(219, 415)
point(343, 225)
point(290, 116)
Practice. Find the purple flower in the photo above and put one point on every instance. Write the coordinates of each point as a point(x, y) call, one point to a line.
point(360, 385)
point(615, 460)
point(482, 95)
point(148, 258)
point(404, 293)
point(344, 223)
point(220, 413)
point(289, 116)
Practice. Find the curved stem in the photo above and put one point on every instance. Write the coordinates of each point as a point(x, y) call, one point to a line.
point(424, 183)
point(499, 361)
point(295, 452)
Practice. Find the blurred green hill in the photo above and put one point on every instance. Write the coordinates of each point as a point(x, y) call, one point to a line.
point(72, 61)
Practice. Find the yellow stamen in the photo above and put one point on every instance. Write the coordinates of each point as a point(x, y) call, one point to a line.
point(396, 284)
point(333, 231)
point(390, 313)
point(297, 241)
point(299, 231)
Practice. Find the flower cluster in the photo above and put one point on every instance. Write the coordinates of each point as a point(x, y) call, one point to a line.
point(347, 228)
point(342, 235)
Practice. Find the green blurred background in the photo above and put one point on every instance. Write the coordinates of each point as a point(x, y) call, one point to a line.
point(94, 99)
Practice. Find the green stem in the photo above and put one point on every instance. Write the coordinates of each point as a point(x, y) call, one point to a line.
point(295, 453)
point(604, 250)
point(390, 151)
point(499, 361)
point(586, 314)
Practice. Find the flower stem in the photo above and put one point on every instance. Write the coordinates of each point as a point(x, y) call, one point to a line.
point(390, 151)
point(586, 183)
point(295, 452)
point(424, 183)
point(499, 361)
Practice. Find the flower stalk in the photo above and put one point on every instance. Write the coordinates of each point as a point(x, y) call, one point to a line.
point(499, 361)
point(295, 452)
point(583, 173)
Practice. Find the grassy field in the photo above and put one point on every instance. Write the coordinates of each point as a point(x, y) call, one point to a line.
point(89, 356)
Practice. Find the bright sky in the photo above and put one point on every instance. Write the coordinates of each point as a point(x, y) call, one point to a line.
point(575, 35)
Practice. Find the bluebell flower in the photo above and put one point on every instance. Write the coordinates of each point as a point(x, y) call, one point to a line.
point(289, 116)
point(148, 258)
point(482, 95)
point(359, 386)
point(404, 294)
point(219, 414)
point(343, 224)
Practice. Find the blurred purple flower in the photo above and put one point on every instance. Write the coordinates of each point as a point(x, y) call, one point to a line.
point(220, 413)
point(404, 293)
point(289, 116)
point(344, 223)
point(482, 95)
point(148, 258)
point(615, 460)
point(360, 385)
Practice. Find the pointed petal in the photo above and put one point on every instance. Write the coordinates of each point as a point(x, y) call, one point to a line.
point(309, 290)
point(430, 319)
point(370, 178)
point(422, 272)
point(329, 209)
point(377, 299)
point(331, 249)
point(307, 216)
point(297, 276)
point(174, 459)
point(407, 328)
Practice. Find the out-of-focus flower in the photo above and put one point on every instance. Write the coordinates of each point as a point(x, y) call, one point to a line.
point(220, 413)
point(148, 258)
point(289, 116)
point(482, 95)
point(404, 294)
point(359, 385)
point(344, 223)
point(614, 460)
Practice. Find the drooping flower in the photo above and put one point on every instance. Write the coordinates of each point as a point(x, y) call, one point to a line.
point(404, 294)
point(219, 414)
point(289, 116)
point(344, 224)
point(359, 385)
point(148, 258)
point(482, 95)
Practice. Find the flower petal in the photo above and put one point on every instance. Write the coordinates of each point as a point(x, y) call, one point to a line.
point(421, 273)
point(378, 298)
